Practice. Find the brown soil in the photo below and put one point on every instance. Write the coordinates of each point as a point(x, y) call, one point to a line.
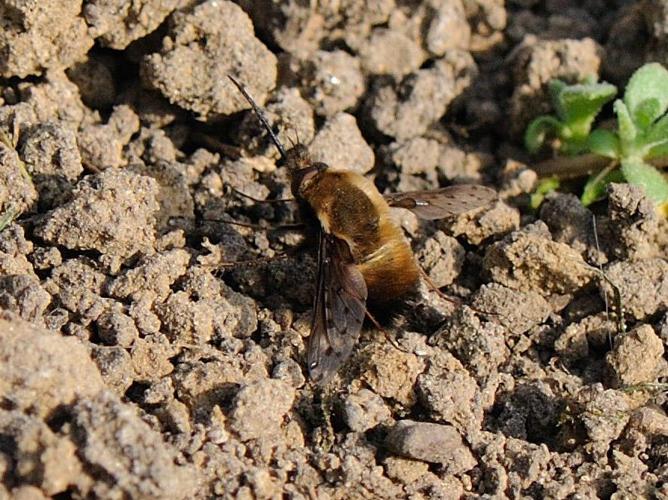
point(135, 362)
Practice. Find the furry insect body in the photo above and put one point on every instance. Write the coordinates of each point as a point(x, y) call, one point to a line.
point(349, 206)
point(362, 252)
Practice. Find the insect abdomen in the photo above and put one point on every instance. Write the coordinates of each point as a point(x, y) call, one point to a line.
point(350, 207)
point(390, 271)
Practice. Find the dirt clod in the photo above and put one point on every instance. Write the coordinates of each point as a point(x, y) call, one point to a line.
point(571, 223)
point(516, 310)
point(538, 62)
point(633, 222)
point(40, 36)
point(442, 257)
point(13, 172)
point(134, 458)
point(116, 328)
point(52, 160)
point(118, 23)
point(115, 365)
point(111, 212)
point(23, 295)
point(643, 286)
point(30, 358)
point(409, 109)
point(364, 410)
point(206, 44)
point(637, 357)
point(101, 146)
point(450, 394)
point(479, 345)
point(405, 57)
point(433, 443)
point(259, 408)
point(333, 81)
point(153, 276)
point(530, 259)
point(77, 286)
point(147, 220)
point(340, 144)
point(391, 373)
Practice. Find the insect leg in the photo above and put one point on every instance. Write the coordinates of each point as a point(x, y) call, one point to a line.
point(453, 300)
point(437, 291)
point(257, 200)
point(256, 261)
point(259, 227)
point(290, 252)
point(388, 337)
point(279, 227)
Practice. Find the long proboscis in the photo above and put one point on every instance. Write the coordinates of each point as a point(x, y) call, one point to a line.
point(260, 114)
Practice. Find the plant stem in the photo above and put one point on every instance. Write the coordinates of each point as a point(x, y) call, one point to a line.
point(571, 167)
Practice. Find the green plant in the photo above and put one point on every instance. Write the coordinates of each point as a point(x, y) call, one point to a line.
point(10, 143)
point(638, 139)
point(576, 107)
point(10, 212)
point(544, 187)
point(7, 218)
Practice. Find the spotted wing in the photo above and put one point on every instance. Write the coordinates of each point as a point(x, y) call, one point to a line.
point(445, 202)
point(338, 310)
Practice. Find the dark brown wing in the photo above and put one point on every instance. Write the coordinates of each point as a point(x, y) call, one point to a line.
point(338, 309)
point(445, 202)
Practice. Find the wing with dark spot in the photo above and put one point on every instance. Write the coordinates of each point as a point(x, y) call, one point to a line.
point(445, 202)
point(338, 309)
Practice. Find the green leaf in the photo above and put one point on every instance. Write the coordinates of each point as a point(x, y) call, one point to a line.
point(581, 103)
point(627, 129)
point(639, 173)
point(555, 87)
point(604, 143)
point(645, 115)
point(544, 187)
point(576, 107)
point(648, 83)
point(596, 187)
point(656, 141)
point(538, 129)
point(7, 218)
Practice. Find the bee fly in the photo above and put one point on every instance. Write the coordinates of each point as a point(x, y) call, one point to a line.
point(362, 252)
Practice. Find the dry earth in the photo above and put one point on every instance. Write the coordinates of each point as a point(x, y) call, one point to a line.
point(134, 363)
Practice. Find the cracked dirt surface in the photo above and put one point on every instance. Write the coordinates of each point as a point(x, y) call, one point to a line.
point(135, 362)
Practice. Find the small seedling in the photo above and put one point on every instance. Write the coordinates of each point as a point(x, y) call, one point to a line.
point(652, 387)
point(576, 107)
point(10, 211)
point(10, 143)
point(627, 152)
point(544, 187)
point(8, 217)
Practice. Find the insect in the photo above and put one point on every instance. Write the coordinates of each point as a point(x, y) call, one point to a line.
point(362, 252)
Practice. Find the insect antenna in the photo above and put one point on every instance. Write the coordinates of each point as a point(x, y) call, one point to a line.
point(296, 131)
point(260, 114)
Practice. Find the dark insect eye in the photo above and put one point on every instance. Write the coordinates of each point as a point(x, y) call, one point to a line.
point(305, 176)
